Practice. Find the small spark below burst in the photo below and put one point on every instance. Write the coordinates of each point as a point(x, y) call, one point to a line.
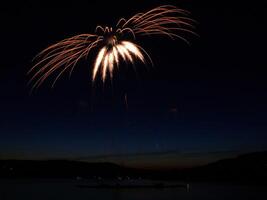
point(114, 44)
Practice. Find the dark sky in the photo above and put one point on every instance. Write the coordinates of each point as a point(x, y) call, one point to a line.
point(198, 103)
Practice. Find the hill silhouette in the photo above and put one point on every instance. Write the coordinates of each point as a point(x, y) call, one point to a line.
point(250, 167)
point(243, 168)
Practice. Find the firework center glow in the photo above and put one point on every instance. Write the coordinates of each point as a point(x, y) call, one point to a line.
point(107, 58)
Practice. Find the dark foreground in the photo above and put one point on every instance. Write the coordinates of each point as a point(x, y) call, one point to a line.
point(44, 189)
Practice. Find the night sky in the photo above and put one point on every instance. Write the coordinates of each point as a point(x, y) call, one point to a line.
point(198, 103)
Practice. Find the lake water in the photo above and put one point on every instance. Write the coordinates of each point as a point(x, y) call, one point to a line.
point(66, 190)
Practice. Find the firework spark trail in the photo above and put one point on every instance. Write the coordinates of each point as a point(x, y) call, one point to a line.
point(111, 43)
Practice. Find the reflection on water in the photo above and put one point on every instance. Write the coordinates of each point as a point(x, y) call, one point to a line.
point(65, 189)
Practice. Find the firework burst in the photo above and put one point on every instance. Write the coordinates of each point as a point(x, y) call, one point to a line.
point(111, 44)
